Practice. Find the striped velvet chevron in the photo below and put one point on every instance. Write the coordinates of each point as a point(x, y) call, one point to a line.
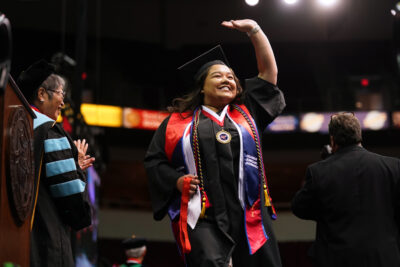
point(61, 169)
point(56, 144)
point(67, 188)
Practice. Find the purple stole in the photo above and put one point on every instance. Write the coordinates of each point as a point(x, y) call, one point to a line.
point(250, 185)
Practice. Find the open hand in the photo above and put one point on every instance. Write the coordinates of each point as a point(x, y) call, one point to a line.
point(84, 161)
point(243, 25)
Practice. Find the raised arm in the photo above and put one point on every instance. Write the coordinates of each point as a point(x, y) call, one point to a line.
point(266, 64)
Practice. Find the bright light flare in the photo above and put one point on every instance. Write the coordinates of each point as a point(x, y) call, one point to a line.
point(327, 3)
point(252, 2)
point(398, 6)
point(290, 2)
point(393, 12)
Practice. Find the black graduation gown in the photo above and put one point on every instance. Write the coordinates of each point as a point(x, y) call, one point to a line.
point(56, 218)
point(222, 233)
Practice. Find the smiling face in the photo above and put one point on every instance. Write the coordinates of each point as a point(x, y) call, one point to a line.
point(51, 102)
point(220, 87)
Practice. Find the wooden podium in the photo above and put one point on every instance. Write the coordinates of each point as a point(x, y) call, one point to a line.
point(17, 186)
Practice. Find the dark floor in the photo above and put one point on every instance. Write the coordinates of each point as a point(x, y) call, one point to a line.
point(293, 254)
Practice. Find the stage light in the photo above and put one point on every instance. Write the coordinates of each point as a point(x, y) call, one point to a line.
point(252, 2)
point(327, 2)
point(290, 2)
point(393, 12)
point(398, 6)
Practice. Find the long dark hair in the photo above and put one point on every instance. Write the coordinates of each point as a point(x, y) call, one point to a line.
point(188, 103)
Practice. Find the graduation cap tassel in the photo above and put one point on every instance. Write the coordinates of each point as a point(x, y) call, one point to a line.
point(266, 196)
point(196, 152)
point(203, 208)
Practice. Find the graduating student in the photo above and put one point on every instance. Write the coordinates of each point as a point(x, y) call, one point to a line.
point(205, 164)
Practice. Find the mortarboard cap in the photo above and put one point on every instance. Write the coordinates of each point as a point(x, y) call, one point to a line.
point(189, 72)
point(133, 242)
point(30, 79)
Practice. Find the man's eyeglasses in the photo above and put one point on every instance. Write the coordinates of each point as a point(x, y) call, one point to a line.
point(62, 93)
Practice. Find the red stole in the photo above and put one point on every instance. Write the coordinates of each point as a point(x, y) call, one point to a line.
point(254, 227)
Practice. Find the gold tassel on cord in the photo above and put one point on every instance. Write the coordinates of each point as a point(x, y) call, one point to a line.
point(267, 200)
point(203, 208)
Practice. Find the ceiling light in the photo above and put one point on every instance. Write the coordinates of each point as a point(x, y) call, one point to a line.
point(252, 2)
point(327, 2)
point(290, 2)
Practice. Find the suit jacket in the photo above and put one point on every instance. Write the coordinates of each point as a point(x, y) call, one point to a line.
point(354, 196)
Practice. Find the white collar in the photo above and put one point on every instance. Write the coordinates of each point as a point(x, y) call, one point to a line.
point(220, 117)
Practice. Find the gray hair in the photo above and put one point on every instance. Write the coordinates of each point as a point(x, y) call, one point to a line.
point(52, 83)
point(135, 252)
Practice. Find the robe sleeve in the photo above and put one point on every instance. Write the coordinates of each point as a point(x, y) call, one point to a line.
point(162, 176)
point(264, 100)
point(64, 179)
point(304, 203)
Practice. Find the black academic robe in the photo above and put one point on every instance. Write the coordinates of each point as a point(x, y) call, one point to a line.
point(221, 235)
point(354, 197)
point(62, 204)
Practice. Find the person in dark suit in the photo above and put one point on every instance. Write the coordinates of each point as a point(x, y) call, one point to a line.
point(354, 196)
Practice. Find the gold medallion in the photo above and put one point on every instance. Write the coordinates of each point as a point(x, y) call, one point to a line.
point(223, 136)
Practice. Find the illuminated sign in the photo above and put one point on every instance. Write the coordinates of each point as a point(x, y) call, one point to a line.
point(312, 122)
point(102, 115)
point(283, 123)
point(143, 119)
point(373, 120)
point(318, 122)
point(113, 116)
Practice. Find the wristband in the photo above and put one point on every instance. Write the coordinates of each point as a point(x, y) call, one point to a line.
point(253, 31)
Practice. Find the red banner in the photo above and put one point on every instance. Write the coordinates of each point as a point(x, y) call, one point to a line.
point(142, 118)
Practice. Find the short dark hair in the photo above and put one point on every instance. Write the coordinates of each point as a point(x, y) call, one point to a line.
point(345, 129)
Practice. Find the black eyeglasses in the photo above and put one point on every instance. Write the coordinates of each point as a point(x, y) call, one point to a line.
point(62, 93)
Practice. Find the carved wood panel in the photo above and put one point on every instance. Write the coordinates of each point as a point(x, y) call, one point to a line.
point(20, 164)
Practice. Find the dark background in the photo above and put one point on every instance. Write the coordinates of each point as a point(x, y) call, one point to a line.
point(130, 49)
